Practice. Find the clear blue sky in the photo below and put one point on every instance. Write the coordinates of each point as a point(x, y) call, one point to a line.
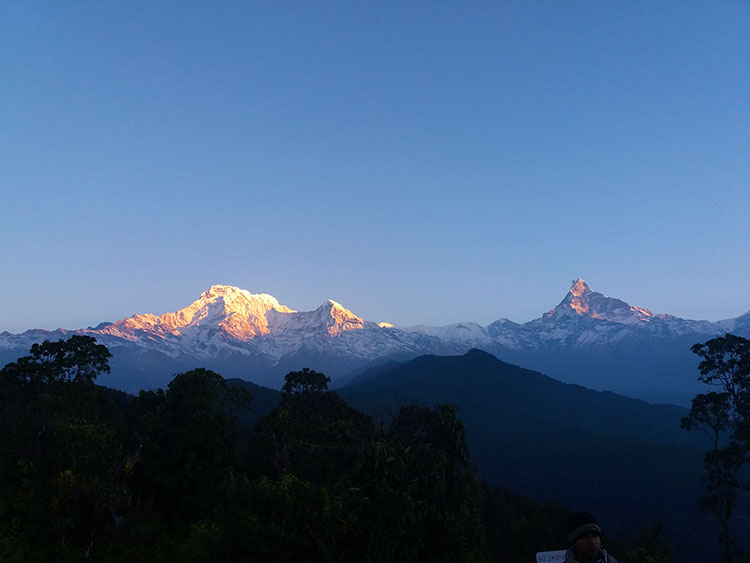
point(419, 162)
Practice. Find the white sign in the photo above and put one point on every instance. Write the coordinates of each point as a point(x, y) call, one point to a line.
point(550, 556)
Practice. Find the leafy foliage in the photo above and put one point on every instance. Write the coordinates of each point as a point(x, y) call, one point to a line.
point(90, 475)
point(647, 547)
point(58, 444)
point(305, 382)
point(518, 527)
point(725, 417)
point(313, 433)
point(550, 440)
point(79, 360)
point(185, 440)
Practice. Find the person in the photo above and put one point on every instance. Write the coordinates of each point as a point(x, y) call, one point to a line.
point(585, 537)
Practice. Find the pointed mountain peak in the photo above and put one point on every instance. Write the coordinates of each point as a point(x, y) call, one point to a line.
point(579, 288)
point(577, 299)
point(581, 301)
point(334, 304)
point(334, 307)
point(338, 318)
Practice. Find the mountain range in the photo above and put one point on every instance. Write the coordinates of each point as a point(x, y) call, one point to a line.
point(590, 339)
point(547, 438)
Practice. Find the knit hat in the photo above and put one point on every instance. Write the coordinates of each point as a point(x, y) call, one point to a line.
point(580, 524)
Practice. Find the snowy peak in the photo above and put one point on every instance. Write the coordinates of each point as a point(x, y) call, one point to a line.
point(577, 299)
point(235, 312)
point(231, 328)
point(579, 288)
point(230, 313)
point(581, 301)
point(232, 300)
point(337, 319)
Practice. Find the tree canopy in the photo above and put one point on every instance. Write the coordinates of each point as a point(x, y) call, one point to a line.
point(58, 444)
point(725, 416)
point(89, 474)
point(79, 359)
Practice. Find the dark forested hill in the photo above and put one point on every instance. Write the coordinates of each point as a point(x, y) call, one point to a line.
point(623, 459)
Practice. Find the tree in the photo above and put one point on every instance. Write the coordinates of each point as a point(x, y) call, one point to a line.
point(185, 442)
point(305, 382)
point(647, 547)
point(413, 484)
point(313, 433)
point(725, 416)
point(57, 446)
point(79, 359)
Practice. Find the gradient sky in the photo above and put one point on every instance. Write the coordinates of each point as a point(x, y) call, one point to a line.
point(419, 162)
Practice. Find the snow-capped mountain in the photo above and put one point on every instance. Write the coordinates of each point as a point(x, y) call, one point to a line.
point(239, 334)
point(235, 319)
point(581, 301)
point(235, 313)
point(584, 317)
point(587, 338)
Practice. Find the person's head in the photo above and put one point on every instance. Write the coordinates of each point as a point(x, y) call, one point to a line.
point(584, 534)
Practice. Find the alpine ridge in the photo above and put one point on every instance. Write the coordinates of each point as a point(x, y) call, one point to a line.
point(235, 312)
point(227, 312)
point(588, 338)
point(581, 301)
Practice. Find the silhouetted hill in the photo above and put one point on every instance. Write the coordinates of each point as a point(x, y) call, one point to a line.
point(623, 459)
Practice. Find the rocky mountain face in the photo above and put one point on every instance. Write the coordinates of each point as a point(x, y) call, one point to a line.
point(597, 341)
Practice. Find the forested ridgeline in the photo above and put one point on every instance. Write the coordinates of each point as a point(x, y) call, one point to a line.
point(91, 474)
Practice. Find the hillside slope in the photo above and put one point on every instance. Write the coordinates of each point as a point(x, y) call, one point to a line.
point(623, 459)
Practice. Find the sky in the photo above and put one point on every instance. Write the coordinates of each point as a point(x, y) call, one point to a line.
point(418, 162)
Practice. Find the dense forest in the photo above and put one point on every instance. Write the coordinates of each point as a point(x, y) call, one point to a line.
point(187, 473)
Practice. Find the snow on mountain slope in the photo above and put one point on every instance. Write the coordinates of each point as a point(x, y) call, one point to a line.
point(585, 317)
point(226, 317)
point(331, 317)
point(740, 325)
point(256, 332)
point(583, 302)
point(235, 312)
point(464, 333)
